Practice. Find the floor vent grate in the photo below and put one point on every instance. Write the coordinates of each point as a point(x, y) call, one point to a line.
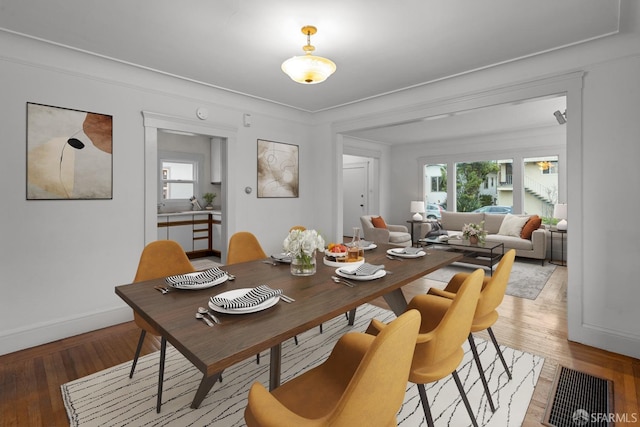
point(579, 399)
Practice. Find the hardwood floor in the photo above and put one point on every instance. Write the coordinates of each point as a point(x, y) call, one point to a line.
point(30, 379)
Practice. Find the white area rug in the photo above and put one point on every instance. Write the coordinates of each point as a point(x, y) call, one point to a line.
point(110, 398)
point(204, 263)
point(527, 278)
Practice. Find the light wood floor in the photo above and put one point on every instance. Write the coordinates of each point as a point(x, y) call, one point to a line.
point(30, 379)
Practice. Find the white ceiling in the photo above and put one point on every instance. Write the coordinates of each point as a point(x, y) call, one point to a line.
point(378, 46)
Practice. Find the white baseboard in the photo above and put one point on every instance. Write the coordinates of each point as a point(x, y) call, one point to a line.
point(606, 339)
point(20, 339)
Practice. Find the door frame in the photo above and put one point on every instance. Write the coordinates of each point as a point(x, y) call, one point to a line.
point(154, 121)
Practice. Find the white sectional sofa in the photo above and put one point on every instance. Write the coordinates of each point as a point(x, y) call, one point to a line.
point(536, 247)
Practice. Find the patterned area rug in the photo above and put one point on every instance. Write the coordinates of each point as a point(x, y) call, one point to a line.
point(527, 278)
point(110, 398)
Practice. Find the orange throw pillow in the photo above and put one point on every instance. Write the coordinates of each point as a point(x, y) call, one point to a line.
point(533, 224)
point(378, 222)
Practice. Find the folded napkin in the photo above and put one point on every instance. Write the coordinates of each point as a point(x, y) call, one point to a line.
point(191, 279)
point(365, 269)
point(281, 257)
point(408, 250)
point(254, 297)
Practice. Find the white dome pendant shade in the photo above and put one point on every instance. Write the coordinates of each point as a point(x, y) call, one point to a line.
point(308, 69)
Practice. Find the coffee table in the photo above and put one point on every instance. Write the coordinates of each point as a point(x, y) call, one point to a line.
point(485, 254)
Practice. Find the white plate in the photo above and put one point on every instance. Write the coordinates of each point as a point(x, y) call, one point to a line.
point(235, 293)
point(202, 285)
point(366, 248)
point(341, 272)
point(398, 252)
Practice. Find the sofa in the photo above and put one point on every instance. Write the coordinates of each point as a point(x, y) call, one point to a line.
point(397, 235)
point(534, 247)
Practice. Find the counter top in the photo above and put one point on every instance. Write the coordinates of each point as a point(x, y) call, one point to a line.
point(213, 212)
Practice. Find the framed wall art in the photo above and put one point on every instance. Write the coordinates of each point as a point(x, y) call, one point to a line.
point(69, 154)
point(277, 169)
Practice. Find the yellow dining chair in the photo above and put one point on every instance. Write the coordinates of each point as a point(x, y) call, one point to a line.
point(243, 247)
point(361, 383)
point(444, 327)
point(298, 227)
point(161, 258)
point(491, 296)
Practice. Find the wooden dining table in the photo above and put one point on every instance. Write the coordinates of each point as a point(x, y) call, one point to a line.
point(240, 336)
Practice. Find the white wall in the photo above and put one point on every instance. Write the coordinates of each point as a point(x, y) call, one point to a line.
point(60, 260)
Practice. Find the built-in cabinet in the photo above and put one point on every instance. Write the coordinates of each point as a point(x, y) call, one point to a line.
point(199, 233)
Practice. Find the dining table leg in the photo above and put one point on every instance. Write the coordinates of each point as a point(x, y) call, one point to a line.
point(351, 317)
point(275, 366)
point(396, 300)
point(203, 389)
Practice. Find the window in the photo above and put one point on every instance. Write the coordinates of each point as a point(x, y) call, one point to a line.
point(473, 189)
point(488, 185)
point(541, 185)
point(435, 184)
point(179, 179)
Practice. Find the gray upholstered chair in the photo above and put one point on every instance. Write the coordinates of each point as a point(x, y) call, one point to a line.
point(397, 235)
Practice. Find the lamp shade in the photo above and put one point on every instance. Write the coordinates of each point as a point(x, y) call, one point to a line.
point(417, 207)
point(560, 212)
point(308, 69)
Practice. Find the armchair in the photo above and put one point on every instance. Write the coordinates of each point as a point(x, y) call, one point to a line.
point(397, 235)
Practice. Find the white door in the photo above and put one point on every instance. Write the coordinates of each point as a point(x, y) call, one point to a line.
point(355, 188)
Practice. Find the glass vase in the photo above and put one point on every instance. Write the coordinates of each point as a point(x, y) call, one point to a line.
point(303, 264)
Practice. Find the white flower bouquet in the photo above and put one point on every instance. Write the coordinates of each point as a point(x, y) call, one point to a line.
point(302, 245)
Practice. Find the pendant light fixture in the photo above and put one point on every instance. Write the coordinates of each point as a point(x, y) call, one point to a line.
point(308, 69)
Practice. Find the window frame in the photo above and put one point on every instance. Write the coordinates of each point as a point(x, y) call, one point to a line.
point(197, 160)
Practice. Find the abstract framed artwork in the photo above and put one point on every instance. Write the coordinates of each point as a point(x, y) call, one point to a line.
point(69, 154)
point(277, 169)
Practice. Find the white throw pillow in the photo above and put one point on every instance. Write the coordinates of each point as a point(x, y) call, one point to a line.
point(512, 225)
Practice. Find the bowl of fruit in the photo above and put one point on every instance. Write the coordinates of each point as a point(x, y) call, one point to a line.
point(336, 256)
point(335, 251)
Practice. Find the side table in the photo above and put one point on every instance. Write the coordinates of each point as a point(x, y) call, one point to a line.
point(413, 222)
point(563, 236)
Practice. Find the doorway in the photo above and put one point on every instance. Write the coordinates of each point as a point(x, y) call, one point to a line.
point(153, 122)
point(356, 188)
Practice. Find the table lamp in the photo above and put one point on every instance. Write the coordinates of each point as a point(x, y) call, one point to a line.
point(417, 208)
point(560, 212)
